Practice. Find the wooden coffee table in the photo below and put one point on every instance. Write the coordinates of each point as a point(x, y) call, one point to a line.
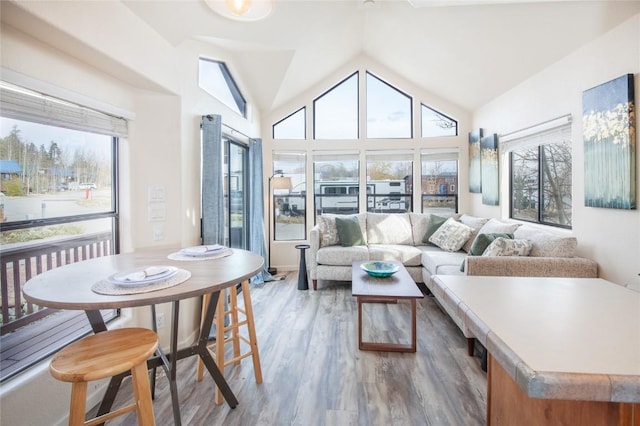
point(368, 289)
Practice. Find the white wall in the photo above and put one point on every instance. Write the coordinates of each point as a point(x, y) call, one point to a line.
point(610, 236)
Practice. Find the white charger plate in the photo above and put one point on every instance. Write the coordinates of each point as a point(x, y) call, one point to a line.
point(142, 276)
point(204, 251)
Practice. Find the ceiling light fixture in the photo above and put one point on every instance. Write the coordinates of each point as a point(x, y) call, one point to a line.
point(242, 10)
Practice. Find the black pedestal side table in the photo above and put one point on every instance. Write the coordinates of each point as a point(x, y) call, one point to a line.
point(303, 282)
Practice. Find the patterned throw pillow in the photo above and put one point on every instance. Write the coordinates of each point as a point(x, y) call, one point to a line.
point(506, 247)
point(452, 235)
point(328, 230)
point(481, 243)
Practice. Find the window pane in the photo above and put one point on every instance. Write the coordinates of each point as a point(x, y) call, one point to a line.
point(289, 205)
point(50, 172)
point(235, 194)
point(215, 79)
point(291, 127)
point(437, 124)
point(336, 112)
point(336, 186)
point(524, 184)
point(439, 185)
point(556, 183)
point(389, 185)
point(388, 110)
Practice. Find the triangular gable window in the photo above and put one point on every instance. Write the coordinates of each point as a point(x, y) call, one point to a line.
point(388, 110)
point(435, 123)
point(335, 113)
point(292, 126)
point(215, 79)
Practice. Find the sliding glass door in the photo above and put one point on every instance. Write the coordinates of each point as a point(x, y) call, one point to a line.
point(236, 179)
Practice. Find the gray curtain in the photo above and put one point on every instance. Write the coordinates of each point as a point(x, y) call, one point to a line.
point(212, 190)
point(256, 213)
point(212, 180)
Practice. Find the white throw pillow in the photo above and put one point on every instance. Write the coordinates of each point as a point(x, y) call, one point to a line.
point(452, 235)
point(506, 247)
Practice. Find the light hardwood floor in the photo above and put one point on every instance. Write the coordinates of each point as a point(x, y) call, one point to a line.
point(314, 373)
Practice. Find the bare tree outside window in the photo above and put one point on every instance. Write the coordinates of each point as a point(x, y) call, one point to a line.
point(541, 184)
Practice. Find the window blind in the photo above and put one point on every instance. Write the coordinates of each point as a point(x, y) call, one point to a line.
point(389, 155)
point(26, 105)
point(550, 132)
point(439, 154)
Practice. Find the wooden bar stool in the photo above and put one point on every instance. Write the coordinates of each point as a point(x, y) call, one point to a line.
point(217, 347)
point(104, 355)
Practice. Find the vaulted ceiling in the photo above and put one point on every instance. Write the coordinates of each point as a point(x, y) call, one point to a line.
point(466, 51)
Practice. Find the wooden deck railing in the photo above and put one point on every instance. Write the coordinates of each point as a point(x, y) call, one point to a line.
point(22, 263)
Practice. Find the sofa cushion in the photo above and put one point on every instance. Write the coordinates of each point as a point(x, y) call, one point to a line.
point(349, 232)
point(435, 222)
point(419, 222)
point(384, 228)
point(434, 260)
point(546, 244)
point(508, 247)
point(407, 254)
point(341, 256)
point(476, 223)
point(451, 236)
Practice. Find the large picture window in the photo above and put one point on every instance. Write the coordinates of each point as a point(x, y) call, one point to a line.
point(389, 181)
point(439, 181)
point(289, 203)
point(540, 176)
point(336, 183)
point(58, 205)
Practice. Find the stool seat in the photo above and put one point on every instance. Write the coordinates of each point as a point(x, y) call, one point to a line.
point(104, 355)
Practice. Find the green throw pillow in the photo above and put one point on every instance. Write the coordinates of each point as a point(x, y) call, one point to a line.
point(349, 232)
point(435, 222)
point(481, 243)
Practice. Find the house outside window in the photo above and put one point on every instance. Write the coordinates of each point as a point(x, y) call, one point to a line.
point(439, 181)
point(389, 181)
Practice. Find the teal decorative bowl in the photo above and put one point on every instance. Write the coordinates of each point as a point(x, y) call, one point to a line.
point(380, 269)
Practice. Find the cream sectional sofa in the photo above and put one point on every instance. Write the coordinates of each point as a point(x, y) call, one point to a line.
point(399, 236)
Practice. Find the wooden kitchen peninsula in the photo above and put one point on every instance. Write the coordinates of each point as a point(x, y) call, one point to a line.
point(561, 350)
